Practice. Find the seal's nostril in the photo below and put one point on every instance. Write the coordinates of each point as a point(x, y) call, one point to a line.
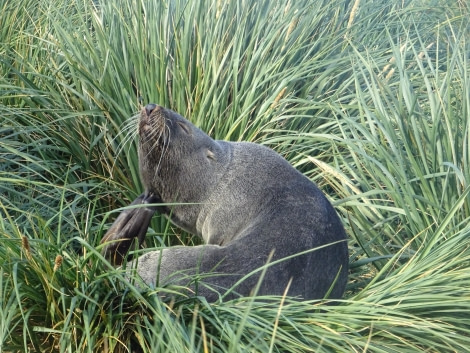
point(149, 108)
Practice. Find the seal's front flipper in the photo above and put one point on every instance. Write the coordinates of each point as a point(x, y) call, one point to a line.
point(130, 225)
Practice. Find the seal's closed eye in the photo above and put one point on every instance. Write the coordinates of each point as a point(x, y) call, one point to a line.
point(183, 127)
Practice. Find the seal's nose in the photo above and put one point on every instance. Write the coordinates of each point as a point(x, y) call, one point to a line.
point(149, 108)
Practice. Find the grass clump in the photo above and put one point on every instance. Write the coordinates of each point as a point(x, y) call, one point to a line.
point(369, 99)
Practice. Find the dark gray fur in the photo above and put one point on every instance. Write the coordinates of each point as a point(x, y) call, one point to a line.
point(246, 202)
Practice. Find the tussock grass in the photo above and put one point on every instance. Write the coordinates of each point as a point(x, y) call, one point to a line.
point(369, 99)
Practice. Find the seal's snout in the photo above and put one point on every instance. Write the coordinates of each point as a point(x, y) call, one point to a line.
point(152, 124)
point(149, 108)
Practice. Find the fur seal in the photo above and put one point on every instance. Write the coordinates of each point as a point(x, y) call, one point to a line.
point(246, 202)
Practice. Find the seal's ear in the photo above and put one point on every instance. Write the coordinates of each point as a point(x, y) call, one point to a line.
point(210, 155)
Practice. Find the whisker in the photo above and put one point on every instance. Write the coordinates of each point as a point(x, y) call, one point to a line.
point(129, 130)
point(127, 133)
point(164, 147)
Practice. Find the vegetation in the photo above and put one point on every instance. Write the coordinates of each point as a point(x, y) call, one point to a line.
point(370, 99)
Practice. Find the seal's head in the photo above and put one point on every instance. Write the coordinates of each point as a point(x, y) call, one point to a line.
point(173, 153)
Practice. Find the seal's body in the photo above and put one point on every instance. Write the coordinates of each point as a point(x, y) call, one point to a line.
point(247, 203)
